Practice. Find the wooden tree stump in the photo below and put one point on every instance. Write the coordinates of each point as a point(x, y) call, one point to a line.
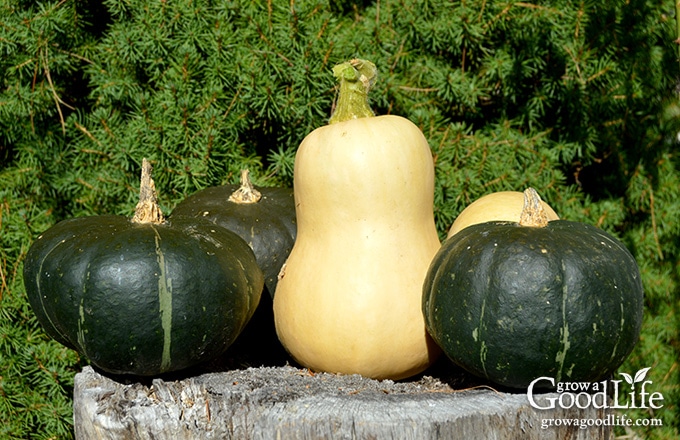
point(290, 403)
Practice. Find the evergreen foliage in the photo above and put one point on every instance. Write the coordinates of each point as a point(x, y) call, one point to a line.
point(575, 98)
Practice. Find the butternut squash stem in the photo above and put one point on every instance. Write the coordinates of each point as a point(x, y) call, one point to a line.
point(147, 210)
point(246, 193)
point(355, 79)
point(533, 214)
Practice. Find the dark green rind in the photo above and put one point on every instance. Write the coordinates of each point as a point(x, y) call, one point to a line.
point(268, 226)
point(494, 299)
point(94, 284)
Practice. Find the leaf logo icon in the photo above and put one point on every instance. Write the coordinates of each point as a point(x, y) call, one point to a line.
point(639, 376)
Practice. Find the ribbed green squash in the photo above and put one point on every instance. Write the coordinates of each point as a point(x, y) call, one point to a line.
point(140, 297)
point(511, 303)
point(264, 217)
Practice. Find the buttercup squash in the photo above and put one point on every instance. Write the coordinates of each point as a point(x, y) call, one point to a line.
point(142, 296)
point(264, 217)
point(514, 301)
point(348, 298)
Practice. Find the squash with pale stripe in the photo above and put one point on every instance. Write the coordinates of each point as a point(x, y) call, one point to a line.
point(142, 296)
point(511, 302)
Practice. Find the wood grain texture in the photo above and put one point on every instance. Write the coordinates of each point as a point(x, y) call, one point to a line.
point(289, 403)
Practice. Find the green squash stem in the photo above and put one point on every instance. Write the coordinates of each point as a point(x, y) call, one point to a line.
point(147, 210)
point(246, 193)
point(355, 78)
point(533, 214)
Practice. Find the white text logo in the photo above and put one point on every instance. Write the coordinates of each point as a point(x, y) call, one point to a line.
point(596, 394)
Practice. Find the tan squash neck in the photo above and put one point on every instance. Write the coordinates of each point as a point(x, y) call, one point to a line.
point(533, 213)
point(246, 193)
point(147, 210)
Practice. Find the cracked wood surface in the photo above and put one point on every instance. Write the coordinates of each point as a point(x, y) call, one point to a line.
point(291, 403)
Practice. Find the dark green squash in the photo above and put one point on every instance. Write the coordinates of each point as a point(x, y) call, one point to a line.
point(263, 217)
point(145, 295)
point(513, 302)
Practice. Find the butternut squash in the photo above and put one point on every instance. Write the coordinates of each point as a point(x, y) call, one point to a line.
point(497, 206)
point(349, 296)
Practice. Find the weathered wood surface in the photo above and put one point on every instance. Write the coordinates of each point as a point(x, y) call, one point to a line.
point(285, 402)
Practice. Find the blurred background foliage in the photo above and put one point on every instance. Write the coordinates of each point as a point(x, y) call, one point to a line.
point(578, 99)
